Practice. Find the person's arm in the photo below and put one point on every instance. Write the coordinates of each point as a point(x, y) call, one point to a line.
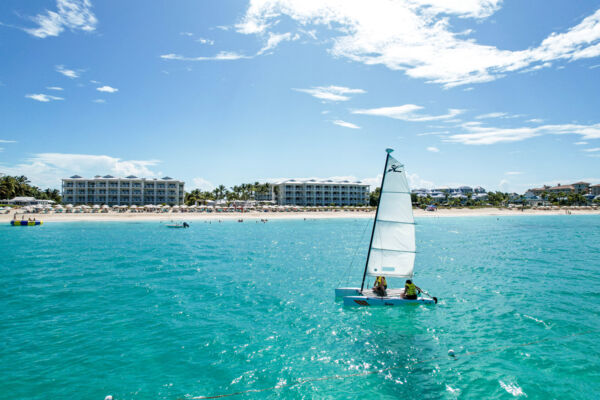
point(419, 289)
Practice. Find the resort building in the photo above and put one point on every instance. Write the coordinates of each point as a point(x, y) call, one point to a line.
point(443, 193)
point(577, 187)
point(130, 190)
point(317, 192)
point(595, 190)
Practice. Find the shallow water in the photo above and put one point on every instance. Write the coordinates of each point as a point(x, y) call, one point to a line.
point(140, 311)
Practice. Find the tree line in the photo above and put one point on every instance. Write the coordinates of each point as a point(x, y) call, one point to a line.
point(20, 186)
point(245, 191)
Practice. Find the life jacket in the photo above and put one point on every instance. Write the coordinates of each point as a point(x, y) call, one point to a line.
point(410, 289)
point(381, 281)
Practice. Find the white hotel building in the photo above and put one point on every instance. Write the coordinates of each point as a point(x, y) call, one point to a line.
point(122, 191)
point(317, 192)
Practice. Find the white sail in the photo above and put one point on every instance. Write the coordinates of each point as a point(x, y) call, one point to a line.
point(393, 248)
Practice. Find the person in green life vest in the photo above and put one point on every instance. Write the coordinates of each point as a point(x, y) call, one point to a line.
point(410, 290)
point(380, 286)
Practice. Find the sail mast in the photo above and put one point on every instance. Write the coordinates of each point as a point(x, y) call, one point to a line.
point(362, 285)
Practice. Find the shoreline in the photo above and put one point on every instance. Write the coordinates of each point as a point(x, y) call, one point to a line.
point(256, 216)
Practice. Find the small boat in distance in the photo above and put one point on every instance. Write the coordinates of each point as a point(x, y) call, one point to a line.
point(392, 248)
point(178, 224)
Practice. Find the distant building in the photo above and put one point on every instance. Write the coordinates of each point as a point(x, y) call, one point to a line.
point(27, 201)
point(130, 190)
point(577, 187)
point(440, 193)
point(581, 187)
point(595, 190)
point(539, 191)
point(562, 189)
point(317, 192)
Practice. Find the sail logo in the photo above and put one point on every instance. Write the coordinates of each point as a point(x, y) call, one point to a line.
point(395, 168)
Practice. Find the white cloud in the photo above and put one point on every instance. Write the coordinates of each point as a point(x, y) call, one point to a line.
point(205, 41)
point(47, 169)
point(54, 88)
point(71, 14)
point(491, 115)
point(503, 185)
point(593, 150)
point(345, 124)
point(69, 73)
point(424, 45)
point(7, 141)
point(580, 143)
point(478, 135)
point(440, 133)
point(513, 173)
point(416, 182)
point(535, 120)
point(44, 98)
point(222, 56)
point(190, 34)
point(107, 89)
point(274, 40)
point(202, 184)
point(433, 149)
point(331, 93)
point(101, 101)
point(407, 112)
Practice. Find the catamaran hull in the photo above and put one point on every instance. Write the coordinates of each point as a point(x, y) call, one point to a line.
point(356, 301)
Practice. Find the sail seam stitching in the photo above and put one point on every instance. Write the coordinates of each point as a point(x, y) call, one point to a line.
point(396, 222)
point(398, 251)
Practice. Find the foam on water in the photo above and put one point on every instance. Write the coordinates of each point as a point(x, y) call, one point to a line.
point(143, 312)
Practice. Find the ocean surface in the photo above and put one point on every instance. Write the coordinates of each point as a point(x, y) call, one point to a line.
point(140, 311)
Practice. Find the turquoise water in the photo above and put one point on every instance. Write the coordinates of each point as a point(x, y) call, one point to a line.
point(140, 311)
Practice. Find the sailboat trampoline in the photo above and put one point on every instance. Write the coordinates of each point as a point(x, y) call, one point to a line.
point(392, 247)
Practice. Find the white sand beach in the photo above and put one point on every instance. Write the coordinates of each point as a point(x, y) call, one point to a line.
point(252, 216)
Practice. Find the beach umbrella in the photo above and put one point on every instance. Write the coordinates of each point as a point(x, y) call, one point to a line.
point(105, 206)
point(69, 206)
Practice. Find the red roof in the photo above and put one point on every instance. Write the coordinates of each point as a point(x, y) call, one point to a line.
point(562, 187)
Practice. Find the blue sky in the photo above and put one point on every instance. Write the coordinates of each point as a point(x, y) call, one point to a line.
point(502, 94)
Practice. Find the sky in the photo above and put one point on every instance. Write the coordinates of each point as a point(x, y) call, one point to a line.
point(501, 94)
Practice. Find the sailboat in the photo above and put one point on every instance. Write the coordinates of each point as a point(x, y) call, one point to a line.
point(392, 247)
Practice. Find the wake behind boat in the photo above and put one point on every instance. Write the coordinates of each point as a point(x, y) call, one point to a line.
point(392, 248)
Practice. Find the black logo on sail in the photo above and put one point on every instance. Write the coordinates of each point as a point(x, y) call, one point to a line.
point(395, 168)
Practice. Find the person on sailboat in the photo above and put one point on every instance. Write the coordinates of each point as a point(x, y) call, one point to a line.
point(380, 286)
point(410, 290)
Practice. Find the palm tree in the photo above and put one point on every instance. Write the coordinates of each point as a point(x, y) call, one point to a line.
point(220, 192)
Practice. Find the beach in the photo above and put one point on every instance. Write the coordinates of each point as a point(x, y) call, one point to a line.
point(256, 216)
